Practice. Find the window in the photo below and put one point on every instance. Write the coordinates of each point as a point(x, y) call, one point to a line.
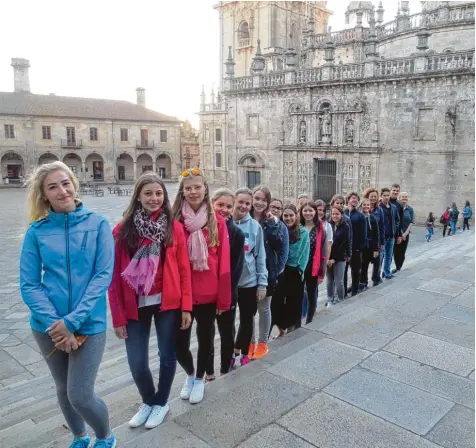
point(252, 129)
point(163, 136)
point(93, 134)
point(124, 135)
point(218, 160)
point(144, 137)
point(9, 131)
point(207, 134)
point(253, 178)
point(218, 135)
point(243, 35)
point(71, 135)
point(46, 130)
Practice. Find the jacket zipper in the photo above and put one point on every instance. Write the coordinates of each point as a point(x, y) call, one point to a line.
point(68, 267)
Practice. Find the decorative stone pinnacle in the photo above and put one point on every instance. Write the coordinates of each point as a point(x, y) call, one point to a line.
point(258, 48)
point(258, 61)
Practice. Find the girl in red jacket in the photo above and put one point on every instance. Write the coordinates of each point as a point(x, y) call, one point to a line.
point(151, 279)
point(209, 252)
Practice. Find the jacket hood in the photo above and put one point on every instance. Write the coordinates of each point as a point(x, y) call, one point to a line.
point(245, 219)
point(80, 214)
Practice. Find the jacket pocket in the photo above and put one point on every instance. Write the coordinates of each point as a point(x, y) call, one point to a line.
point(85, 241)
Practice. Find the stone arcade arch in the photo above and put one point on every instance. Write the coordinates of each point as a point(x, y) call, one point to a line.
point(94, 165)
point(75, 164)
point(125, 167)
point(164, 166)
point(144, 164)
point(12, 167)
point(47, 157)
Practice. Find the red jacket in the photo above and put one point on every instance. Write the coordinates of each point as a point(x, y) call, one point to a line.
point(319, 259)
point(214, 285)
point(174, 273)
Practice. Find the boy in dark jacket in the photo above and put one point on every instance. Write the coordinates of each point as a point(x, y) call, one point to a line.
point(371, 254)
point(392, 226)
point(359, 241)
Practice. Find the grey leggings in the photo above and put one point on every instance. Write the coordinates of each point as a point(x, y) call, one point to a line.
point(74, 376)
point(335, 280)
point(264, 311)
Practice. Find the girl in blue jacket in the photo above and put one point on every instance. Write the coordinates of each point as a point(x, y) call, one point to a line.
point(66, 266)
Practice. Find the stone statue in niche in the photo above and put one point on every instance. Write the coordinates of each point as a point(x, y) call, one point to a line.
point(326, 127)
point(302, 132)
point(349, 132)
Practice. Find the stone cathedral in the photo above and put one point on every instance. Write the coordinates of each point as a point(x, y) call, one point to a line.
point(306, 109)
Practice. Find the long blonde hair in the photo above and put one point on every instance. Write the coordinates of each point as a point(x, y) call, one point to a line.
point(38, 206)
point(212, 226)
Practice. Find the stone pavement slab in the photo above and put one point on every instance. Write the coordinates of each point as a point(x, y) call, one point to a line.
point(10, 368)
point(442, 355)
point(455, 430)
point(458, 313)
point(443, 286)
point(438, 382)
point(466, 298)
point(448, 330)
point(328, 422)
point(24, 354)
point(391, 400)
point(274, 436)
point(319, 364)
point(243, 411)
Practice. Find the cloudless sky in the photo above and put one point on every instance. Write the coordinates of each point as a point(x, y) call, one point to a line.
point(108, 48)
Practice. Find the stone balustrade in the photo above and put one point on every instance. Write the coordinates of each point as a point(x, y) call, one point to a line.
point(423, 63)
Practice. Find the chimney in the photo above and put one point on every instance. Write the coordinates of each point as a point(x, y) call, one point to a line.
point(20, 74)
point(140, 96)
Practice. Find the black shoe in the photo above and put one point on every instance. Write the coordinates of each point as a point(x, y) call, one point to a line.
point(394, 271)
point(377, 283)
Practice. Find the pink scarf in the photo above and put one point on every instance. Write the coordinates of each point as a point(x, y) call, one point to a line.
point(196, 244)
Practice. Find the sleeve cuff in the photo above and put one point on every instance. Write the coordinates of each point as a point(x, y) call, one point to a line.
point(69, 325)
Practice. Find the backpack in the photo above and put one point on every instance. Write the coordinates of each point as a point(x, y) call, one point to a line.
point(442, 219)
point(274, 234)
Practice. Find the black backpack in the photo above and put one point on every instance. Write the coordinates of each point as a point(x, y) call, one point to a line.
point(274, 234)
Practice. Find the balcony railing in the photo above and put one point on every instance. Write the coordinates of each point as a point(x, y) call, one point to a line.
point(243, 42)
point(145, 144)
point(76, 143)
point(305, 76)
point(450, 61)
point(272, 79)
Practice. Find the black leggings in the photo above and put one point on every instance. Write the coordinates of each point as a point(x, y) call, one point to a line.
point(465, 223)
point(367, 258)
point(205, 317)
point(248, 304)
point(355, 267)
point(399, 252)
point(311, 288)
point(226, 328)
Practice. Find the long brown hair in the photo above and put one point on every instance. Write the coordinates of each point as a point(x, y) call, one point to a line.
point(294, 231)
point(128, 232)
point(316, 219)
point(212, 225)
point(267, 194)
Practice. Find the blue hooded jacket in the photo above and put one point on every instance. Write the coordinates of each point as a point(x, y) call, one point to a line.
point(66, 266)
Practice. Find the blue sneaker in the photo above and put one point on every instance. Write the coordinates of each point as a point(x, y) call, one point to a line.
point(110, 442)
point(81, 442)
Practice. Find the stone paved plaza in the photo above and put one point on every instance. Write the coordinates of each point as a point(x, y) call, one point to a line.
point(393, 367)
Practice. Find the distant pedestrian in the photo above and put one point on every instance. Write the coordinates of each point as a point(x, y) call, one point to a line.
point(430, 226)
point(406, 227)
point(151, 282)
point(454, 215)
point(467, 213)
point(445, 220)
point(66, 266)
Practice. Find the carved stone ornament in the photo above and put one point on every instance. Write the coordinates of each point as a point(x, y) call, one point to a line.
point(349, 132)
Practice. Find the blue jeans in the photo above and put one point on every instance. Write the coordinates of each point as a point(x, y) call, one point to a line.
point(387, 255)
point(453, 227)
point(137, 347)
point(430, 233)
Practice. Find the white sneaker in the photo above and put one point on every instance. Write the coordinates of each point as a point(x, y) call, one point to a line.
point(141, 417)
point(157, 416)
point(187, 387)
point(197, 392)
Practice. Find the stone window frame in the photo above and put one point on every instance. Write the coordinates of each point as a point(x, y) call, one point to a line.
point(415, 124)
point(124, 135)
point(46, 132)
point(163, 136)
point(9, 131)
point(248, 128)
point(218, 133)
point(93, 134)
point(218, 157)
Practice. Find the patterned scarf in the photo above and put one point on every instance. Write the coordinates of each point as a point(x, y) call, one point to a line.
point(141, 272)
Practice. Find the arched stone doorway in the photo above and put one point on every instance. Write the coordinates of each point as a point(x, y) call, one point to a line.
point(12, 167)
point(94, 168)
point(164, 166)
point(47, 157)
point(144, 164)
point(74, 162)
point(251, 170)
point(125, 167)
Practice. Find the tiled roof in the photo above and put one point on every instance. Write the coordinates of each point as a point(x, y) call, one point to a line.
point(16, 103)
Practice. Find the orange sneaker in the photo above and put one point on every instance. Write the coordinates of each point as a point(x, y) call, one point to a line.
point(261, 351)
point(251, 351)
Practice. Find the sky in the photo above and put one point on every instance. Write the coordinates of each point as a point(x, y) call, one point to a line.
point(108, 48)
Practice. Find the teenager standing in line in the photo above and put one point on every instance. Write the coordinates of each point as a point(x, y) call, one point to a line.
point(223, 201)
point(394, 192)
point(392, 226)
point(359, 241)
point(321, 212)
point(317, 264)
point(209, 253)
point(371, 253)
point(286, 305)
point(276, 245)
point(66, 266)
point(152, 281)
point(467, 213)
point(406, 227)
point(254, 278)
point(276, 207)
point(377, 212)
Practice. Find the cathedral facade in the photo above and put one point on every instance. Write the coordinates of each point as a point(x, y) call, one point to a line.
point(318, 111)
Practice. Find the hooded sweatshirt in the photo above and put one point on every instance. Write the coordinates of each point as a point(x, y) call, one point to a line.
point(254, 268)
point(237, 257)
